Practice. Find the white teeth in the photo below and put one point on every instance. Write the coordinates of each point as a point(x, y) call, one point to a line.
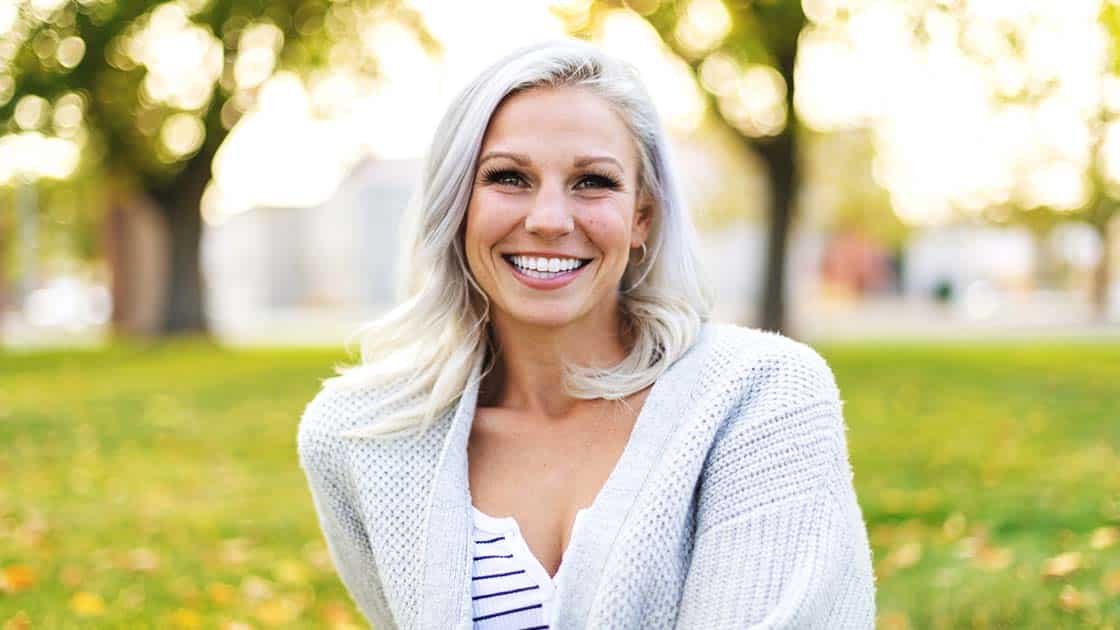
point(540, 264)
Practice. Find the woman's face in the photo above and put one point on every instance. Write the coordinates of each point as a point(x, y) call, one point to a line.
point(554, 210)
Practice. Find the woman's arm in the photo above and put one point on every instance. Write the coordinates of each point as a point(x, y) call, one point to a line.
point(322, 459)
point(781, 541)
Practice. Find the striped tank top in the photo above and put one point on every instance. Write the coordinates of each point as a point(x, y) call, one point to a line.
point(510, 588)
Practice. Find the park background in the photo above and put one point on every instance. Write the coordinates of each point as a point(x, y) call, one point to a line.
point(199, 203)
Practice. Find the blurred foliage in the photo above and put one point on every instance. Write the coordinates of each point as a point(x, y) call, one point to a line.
point(986, 474)
point(122, 115)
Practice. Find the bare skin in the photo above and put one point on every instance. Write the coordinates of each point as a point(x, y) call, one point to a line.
point(558, 173)
point(543, 472)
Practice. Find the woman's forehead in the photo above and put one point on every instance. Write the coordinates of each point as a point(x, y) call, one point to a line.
point(563, 124)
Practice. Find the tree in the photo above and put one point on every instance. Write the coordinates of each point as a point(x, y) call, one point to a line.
point(157, 87)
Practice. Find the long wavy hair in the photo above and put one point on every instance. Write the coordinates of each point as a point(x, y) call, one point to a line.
point(428, 344)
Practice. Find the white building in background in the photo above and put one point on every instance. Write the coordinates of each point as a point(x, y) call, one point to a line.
point(309, 275)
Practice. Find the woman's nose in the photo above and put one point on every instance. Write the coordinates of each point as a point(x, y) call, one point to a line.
point(549, 215)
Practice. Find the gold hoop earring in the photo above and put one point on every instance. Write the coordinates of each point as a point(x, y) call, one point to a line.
point(643, 259)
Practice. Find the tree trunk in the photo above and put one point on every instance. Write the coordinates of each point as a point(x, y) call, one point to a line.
point(4, 299)
point(180, 202)
point(135, 245)
point(779, 153)
point(1102, 275)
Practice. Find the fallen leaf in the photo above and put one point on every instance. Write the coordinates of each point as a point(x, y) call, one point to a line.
point(316, 553)
point(1104, 537)
point(86, 604)
point(142, 559)
point(1062, 565)
point(21, 621)
point(893, 621)
point(234, 551)
point(1070, 598)
point(222, 593)
point(255, 588)
point(277, 611)
point(186, 618)
point(33, 530)
point(994, 558)
point(16, 578)
point(290, 572)
point(335, 614)
point(954, 526)
point(1111, 582)
point(905, 555)
point(71, 576)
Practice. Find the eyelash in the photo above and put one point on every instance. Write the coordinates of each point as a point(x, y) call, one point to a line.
point(495, 176)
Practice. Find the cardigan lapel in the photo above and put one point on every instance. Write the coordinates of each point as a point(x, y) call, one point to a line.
point(662, 413)
point(445, 600)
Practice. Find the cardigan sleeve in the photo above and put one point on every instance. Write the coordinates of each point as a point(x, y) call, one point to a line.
point(322, 456)
point(780, 538)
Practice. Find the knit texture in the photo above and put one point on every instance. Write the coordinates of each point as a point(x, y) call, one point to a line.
point(732, 505)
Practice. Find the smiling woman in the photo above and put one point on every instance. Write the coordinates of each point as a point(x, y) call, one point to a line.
point(557, 186)
point(587, 449)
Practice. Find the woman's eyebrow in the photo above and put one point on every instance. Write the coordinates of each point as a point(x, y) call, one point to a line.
point(524, 160)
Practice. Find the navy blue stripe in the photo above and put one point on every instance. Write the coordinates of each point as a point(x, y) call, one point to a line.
point(507, 612)
point(483, 542)
point(516, 590)
point(486, 577)
point(536, 628)
point(508, 555)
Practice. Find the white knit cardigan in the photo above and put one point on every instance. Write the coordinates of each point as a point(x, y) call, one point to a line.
point(732, 505)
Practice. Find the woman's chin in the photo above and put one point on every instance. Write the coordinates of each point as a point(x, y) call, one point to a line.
point(544, 316)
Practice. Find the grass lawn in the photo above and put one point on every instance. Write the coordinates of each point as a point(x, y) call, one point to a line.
point(158, 487)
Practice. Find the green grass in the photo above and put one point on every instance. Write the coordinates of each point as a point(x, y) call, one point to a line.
point(155, 487)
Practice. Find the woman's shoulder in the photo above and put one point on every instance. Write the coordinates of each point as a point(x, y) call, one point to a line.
point(766, 354)
point(340, 406)
point(770, 372)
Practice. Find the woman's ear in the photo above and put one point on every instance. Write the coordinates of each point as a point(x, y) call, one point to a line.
point(643, 220)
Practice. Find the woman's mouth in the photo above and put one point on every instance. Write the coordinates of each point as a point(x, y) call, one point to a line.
point(545, 279)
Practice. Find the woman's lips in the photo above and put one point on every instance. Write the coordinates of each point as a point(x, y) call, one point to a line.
point(560, 280)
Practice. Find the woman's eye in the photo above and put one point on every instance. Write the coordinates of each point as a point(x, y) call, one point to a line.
point(505, 178)
point(598, 181)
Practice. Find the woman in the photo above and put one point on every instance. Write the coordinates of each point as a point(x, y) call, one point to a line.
point(547, 431)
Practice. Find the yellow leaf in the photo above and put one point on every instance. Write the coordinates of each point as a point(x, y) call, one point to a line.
point(1111, 582)
point(335, 614)
point(994, 558)
point(1062, 565)
point(905, 555)
point(255, 588)
point(1070, 598)
point(186, 618)
point(953, 528)
point(1104, 537)
point(236, 625)
point(277, 611)
point(290, 572)
point(222, 593)
point(87, 604)
point(893, 621)
point(21, 621)
point(142, 559)
point(71, 576)
point(234, 551)
point(15, 578)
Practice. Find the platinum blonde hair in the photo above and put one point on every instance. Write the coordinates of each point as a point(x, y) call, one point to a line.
point(429, 343)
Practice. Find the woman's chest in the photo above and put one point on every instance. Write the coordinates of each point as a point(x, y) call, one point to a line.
point(542, 477)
